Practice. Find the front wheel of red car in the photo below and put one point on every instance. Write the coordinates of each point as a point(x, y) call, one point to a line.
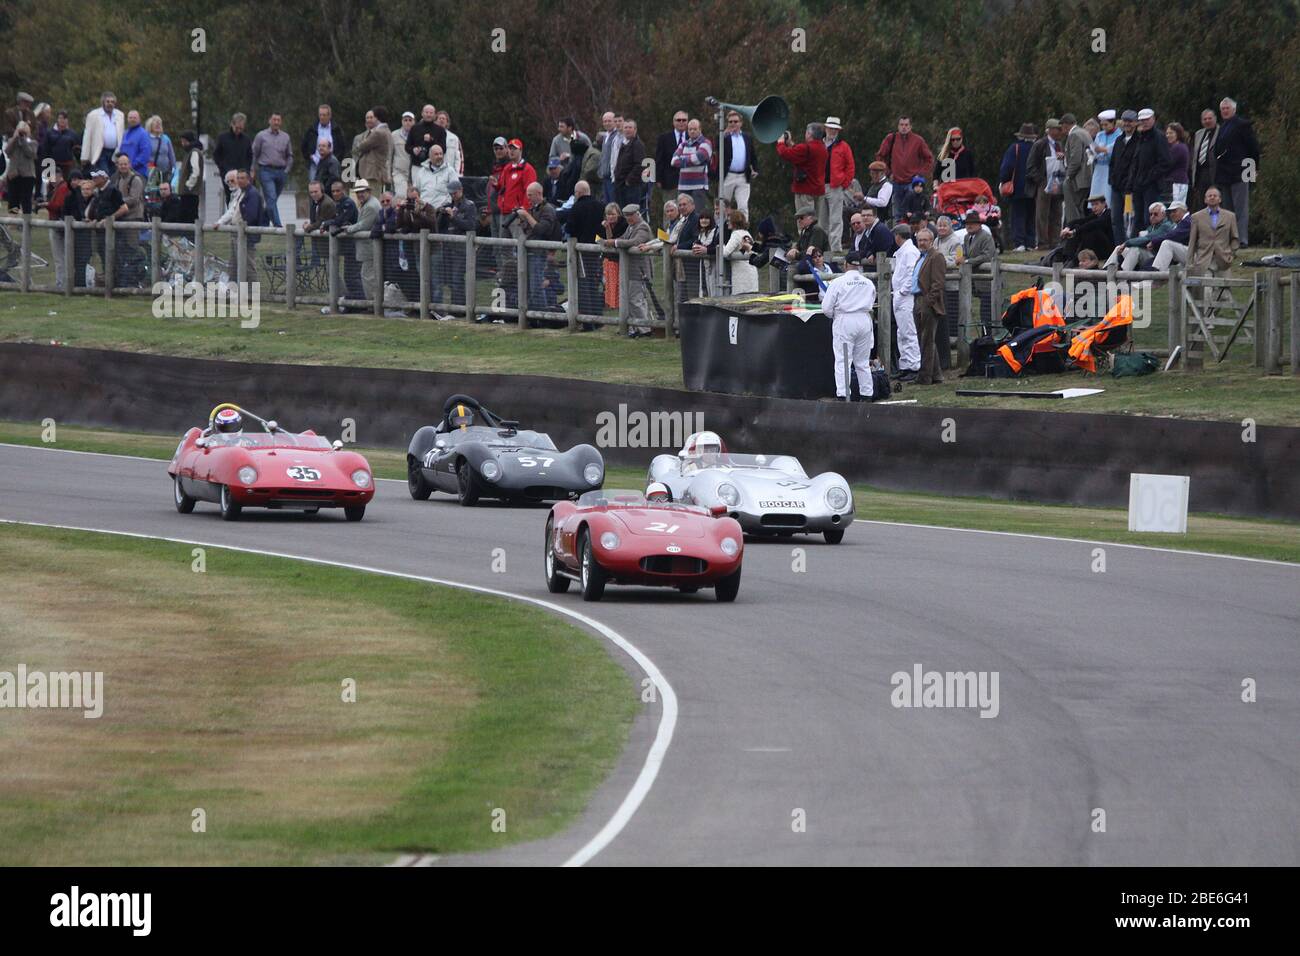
point(355, 513)
point(727, 589)
point(184, 503)
point(230, 508)
point(556, 582)
point(593, 575)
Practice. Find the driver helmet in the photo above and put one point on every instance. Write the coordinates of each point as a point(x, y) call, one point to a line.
point(657, 491)
point(462, 417)
point(708, 447)
point(228, 421)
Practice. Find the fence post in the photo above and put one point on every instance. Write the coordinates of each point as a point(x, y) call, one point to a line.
point(110, 256)
point(965, 292)
point(1177, 328)
point(69, 257)
point(995, 291)
point(425, 279)
point(241, 254)
point(670, 291)
point(1260, 333)
point(1295, 323)
point(571, 305)
point(521, 279)
point(471, 275)
point(377, 266)
point(200, 274)
point(25, 268)
point(624, 285)
point(885, 301)
point(333, 271)
point(155, 250)
point(290, 266)
point(1273, 334)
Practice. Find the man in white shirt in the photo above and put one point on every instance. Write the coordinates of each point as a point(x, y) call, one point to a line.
point(909, 346)
point(103, 134)
point(848, 302)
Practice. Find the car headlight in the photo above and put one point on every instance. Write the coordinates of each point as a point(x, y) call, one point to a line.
point(592, 473)
point(247, 475)
point(491, 470)
point(837, 499)
point(729, 495)
point(361, 478)
point(729, 546)
point(609, 541)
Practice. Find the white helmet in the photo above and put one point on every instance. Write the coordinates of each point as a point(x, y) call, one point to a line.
point(657, 491)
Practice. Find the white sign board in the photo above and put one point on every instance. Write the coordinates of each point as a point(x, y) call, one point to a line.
point(1158, 503)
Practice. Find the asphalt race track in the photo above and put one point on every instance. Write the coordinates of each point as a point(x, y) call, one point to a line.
point(1118, 690)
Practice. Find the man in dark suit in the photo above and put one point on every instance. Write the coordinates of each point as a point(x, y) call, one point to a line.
point(666, 173)
point(627, 173)
point(687, 236)
point(1203, 160)
point(927, 289)
point(1236, 164)
point(1094, 231)
point(810, 234)
point(324, 128)
point(583, 221)
point(739, 164)
point(868, 236)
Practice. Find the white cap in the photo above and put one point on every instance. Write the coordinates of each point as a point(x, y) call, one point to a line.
point(1106, 115)
point(1146, 114)
point(832, 122)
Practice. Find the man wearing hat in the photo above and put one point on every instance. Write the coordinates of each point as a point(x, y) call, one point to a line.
point(551, 186)
point(879, 194)
point(848, 302)
point(1014, 170)
point(1046, 175)
point(368, 211)
point(20, 112)
point(1172, 246)
point(399, 162)
point(1078, 175)
point(1101, 144)
point(640, 267)
point(1151, 166)
point(458, 217)
point(512, 187)
point(1092, 231)
point(979, 250)
point(1122, 153)
point(839, 176)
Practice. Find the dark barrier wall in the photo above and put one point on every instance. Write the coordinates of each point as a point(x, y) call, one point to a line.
point(1041, 456)
point(775, 354)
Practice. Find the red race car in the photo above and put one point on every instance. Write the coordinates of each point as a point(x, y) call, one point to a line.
point(272, 468)
point(620, 537)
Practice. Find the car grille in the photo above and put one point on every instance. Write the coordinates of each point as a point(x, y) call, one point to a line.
point(673, 564)
point(782, 519)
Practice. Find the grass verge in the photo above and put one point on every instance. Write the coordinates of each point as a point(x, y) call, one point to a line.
point(1255, 538)
point(223, 691)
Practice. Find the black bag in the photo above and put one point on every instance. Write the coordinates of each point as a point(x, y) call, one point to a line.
point(983, 356)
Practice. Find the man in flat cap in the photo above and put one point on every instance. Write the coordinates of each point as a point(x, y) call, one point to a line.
point(1122, 153)
point(1101, 144)
point(20, 112)
point(640, 269)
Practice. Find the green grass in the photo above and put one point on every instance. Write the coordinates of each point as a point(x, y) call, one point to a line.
point(1276, 540)
point(223, 692)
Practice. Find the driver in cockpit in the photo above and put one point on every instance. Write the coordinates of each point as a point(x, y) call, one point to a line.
point(657, 493)
point(704, 450)
point(461, 416)
point(228, 421)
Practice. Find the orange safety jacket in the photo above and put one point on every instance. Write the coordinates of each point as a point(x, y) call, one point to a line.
point(1046, 312)
point(1119, 316)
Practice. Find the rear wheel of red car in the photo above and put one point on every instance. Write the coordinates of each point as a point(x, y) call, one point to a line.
point(184, 503)
point(556, 582)
point(727, 589)
point(466, 483)
point(415, 483)
point(355, 513)
point(230, 508)
point(593, 575)
point(834, 536)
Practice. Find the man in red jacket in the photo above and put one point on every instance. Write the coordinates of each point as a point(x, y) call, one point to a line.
point(512, 188)
point(907, 155)
point(839, 176)
point(809, 162)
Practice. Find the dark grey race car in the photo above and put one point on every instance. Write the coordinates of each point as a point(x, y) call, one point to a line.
point(473, 453)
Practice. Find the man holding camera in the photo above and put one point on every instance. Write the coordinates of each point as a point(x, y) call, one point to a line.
point(809, 162)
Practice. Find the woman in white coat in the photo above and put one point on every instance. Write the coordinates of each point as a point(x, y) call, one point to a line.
point(744, 277)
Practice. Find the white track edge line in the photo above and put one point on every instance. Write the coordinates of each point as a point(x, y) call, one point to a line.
point(896, 524)
point(668, 713)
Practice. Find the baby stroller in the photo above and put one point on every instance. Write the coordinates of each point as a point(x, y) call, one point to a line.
point(956, 198)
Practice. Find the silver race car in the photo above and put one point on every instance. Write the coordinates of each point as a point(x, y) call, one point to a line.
point(768, 494)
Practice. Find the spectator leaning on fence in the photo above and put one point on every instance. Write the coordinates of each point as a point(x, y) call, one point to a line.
point(640, 267)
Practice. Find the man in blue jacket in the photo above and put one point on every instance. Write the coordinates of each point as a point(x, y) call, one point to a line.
point(135, 144)
point(252, 209)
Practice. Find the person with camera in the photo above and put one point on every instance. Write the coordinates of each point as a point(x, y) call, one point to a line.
point(809, 160)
